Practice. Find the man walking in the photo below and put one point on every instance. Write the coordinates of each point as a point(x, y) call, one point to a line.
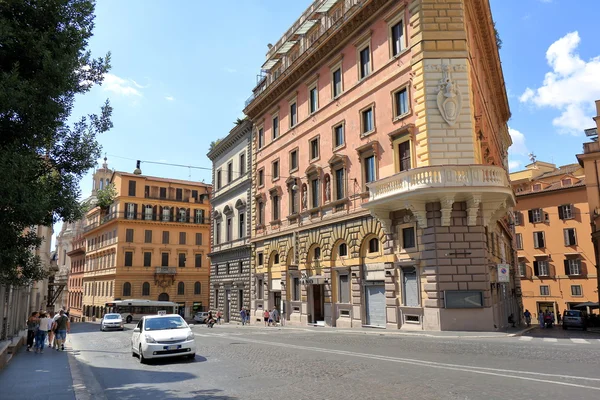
point(63, 326)
point(243, 316)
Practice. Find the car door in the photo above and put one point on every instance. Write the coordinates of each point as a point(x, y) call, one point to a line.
point(137, 333)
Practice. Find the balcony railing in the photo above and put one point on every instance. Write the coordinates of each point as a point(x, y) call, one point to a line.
point(166, 271)
point(142, 216)
point(438, 177)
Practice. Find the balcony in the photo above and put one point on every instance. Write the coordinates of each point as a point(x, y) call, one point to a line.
point(165, 276)
point(142, 216)
point(165, 271)
point(478, 185)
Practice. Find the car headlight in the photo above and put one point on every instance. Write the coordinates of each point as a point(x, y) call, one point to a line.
point(190, 336)
point(150, 339)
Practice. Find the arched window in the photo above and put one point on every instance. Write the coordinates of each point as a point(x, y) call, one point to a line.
point(317, 254)
point(166, 214)
point(182, 215)
point(276, 258)
point(181, 288)
point(163, 297)
point(373, 245)
point(343, 250)
point(101, 184)
point(107, 181)
point(197, 288)
point(145, 289)
point(127, 289)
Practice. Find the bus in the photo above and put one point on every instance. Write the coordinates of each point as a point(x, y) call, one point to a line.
point(133, 309)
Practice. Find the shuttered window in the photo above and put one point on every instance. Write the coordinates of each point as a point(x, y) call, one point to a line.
point(565, 211)
point(344, 290)
point(570, 237)
point(539, 240)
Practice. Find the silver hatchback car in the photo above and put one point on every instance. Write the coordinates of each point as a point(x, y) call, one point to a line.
point(573, 319)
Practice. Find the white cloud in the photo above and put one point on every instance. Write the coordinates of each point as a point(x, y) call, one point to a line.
point(518, 147)
point(169, 98)
point(571, 87)
point(137, 85)
point(120, 86)
point(514, 164)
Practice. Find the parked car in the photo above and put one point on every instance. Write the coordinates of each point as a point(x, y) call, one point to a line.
point(201, 317)
point(574, 319)
point(111, 321)
point(160, 336)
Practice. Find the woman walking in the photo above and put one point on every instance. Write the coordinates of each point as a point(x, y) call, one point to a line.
point(51, 330)
point(33, 323)
point(42, 332)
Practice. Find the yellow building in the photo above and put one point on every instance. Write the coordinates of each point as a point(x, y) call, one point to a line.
point(552, 223)
point(151, 243)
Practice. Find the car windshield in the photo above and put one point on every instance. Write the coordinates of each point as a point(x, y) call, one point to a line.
point(572, 313)
point(159, 324)
point(112, 316)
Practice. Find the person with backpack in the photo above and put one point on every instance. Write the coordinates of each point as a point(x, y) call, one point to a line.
point(33, 324)
point(527, 316)
point(62, 325)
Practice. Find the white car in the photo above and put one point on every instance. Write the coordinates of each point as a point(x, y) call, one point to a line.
point(160, 336)
point(111, 321)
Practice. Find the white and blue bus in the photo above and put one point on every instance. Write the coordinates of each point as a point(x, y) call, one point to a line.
point(134, 309)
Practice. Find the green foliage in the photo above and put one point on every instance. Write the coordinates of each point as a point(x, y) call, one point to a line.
point(44, 64)
point(239, 121)
point(213, 144)
point(105, 197)
point(498, 40)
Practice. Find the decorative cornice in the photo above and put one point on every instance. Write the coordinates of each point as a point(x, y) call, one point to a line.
point(234, 136)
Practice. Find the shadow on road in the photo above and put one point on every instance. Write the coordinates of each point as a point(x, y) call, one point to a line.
point(156, 393)
point(558, 332)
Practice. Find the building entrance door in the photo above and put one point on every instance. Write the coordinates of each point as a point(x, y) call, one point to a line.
point(277, 301)
point(318, 303)
point(375, 304)
point(227, 310)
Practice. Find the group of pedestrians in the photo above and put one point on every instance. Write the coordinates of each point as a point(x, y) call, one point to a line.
point(271, 317)
point(545, 318)
point(47, 326)
point(245, 315)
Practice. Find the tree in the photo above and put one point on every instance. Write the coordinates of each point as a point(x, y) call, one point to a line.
point(105, 197)
point(44, 64)
point(213, 144)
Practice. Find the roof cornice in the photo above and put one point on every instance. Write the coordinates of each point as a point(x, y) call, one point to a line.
point(234, 136)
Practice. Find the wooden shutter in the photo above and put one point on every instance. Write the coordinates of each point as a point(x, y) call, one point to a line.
point(135, 211)
point(561, 212)
point(187, 215)
point(536, 270)
point(154, 213)
point(536, 243)
point(566, 236)
point(530, 213)
point(566, 263)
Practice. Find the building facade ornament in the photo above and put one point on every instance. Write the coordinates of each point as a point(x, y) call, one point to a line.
point(449, 98)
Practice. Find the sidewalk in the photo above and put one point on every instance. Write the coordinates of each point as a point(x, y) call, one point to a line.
point(34, 376)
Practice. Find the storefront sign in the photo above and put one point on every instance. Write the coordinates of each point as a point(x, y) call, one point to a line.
point(503, 273)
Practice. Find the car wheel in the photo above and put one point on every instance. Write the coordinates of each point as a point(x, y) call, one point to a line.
point(191, 356)
point(564, 327)
point(141, 358)
point(129, 319)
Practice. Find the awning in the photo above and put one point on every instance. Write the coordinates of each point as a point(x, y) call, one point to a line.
point(305, 27)
point(326, 6)
point(270, 64)
point(589, 304)
point(286, 46)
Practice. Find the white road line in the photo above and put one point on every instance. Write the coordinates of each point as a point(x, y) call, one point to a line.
point(580, 341)
point(526, 338)
point(549, 339)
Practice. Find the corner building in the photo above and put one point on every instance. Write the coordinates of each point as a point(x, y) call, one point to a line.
point(151, 243)
point(230, 235)
point(380, 190)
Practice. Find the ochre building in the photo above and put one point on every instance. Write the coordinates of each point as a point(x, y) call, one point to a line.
point(380, 184)
point(151, 243)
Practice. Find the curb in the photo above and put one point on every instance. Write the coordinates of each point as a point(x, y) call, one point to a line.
point(520, 333)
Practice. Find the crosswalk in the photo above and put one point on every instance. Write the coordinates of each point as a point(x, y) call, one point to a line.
point(560, 341)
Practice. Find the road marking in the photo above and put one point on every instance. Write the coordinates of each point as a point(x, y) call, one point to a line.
point(526, 338)
point(432, 364)
point(580, 341)
point(549, 339)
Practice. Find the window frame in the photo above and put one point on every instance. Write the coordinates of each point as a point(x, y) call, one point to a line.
point(333, 69)
point(242, 161)
point(536, 240)
point(580, 294)
point(197, 260)
point(402, 248)
point(567, 237)
point(127, 254)
point(312, 159)
point(241, 224)
point(565, 212)
point(229, 171)
point(362, 111)
point(574, 270)
point(313, 87)
point(293, 122)
point(335, 146)
point(341, 285)
point(522, 269)
point(519, 241)
point(291, 164)
point(275, 170)
point(148, 259)
point(260, 137)
point(261, 177)
point(399, 17)
point(275, 126)
point(545, 290)
point(395, 115)
point(362, 44)
point(181, 260)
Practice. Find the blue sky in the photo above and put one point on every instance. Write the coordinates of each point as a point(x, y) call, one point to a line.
point(181, 71)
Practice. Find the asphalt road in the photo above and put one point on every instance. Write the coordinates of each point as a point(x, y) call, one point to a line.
point(271, 363)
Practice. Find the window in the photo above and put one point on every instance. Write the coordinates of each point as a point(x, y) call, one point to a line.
point(293, 114)
point(199, 216)
point(397, 35)
point(126, 289)
point(338, 136)
point(314, 148)
point(566, 182)
point(275, 167)
point(147, 259)
point(367, 123)
point(164, 259)
point(165, 237)
point(146, 289)
point(336, 83)
point(296, 289)
point(195, 194)
point(241, 225)
point(242, 164)
point(539, 240)
point(229, 172)
point(293, 197)
point(163, 193)
point(522, 269)
point(369, 163)
point(261, 177)
point(339, 184)
point(261, 138)
point(408, 238)
point(373, 245)
point(576, 290)
point(148, 236)
point(148, 213)
point(275, 203)
point(314, 192)
point(565, 211)
point(404, 156)
point(131, 188)
point(293, 160)
point(181, 288)
point(518, 217)
point(365, 62)
point(261, 213)
point(216, 298)
point(519, 240)
point(313, 100)
point(544, 290)
point(401, 103)
point(129, 235)
point(198, 239)
point(344, 289)
point(537, 187)
point(535, 215)
point(181, 259)
point(128, 258)
point(131, 211)
point(573, 266)
point(198, 260)
point(182, 215)
point(570, 237)
point(218, 179)
point(541, 268)
point(166, 214)
point(260, 258)
point(182, 237)
point(317, 253)
point(229, 230)
point(275, 127)
point(218, 232)
point(343, 250)
point(197, 288)
point(276, 258)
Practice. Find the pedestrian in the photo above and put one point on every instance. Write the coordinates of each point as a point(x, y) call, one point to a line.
point(558, 317)
point(33, 323)
point(527, 316)
point(247, 316)
point(243, 316)
point(541, 319)
point(219, 315)
point(266, 316)
point(50, 329)
point(42, 332)
point(63, 326)
point(275, 316)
